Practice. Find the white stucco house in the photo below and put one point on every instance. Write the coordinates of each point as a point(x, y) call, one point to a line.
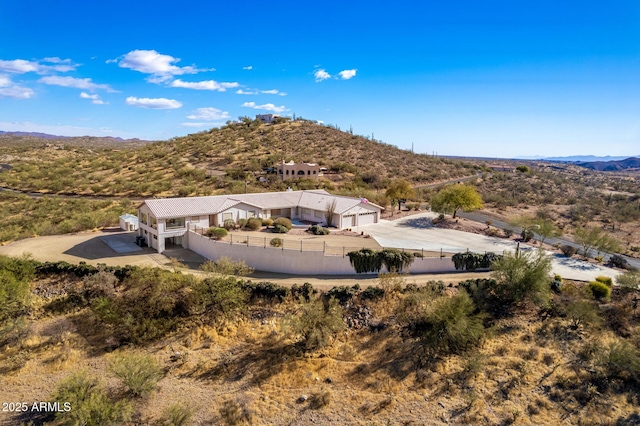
point(167, 220)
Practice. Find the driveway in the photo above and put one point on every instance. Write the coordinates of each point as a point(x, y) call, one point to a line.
point(417, 232)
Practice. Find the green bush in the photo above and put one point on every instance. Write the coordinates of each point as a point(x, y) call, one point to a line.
point(279, 229)
point(629, 280)
point(242, 223)
point(469, 261)
point(526, 235)
point(568, 250)
point(600, 290)
point(229, 224)
point(254, 224)
point(523, 275)
point(372, 293)
point(218, 297)
point(316, 324)
point(267, 222)
point(90, 404)
point(605, 280)
point(216, 233)
point(303, 292)
point(318, 230)
point(177, 415)
point(266, 290)
point(15, 276)
point(343, 293)
point(276, 242)
point(139, 373)
point(367, 260)
point(449, 325)
point(283, 221)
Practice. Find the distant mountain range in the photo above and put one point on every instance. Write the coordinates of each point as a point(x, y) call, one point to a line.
point(47, 136)
point(612, 166)
point(582, 158)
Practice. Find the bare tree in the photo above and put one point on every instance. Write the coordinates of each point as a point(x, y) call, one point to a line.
point(331, 209)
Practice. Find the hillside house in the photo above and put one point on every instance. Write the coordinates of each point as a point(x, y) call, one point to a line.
point(293, 170)
point(266, 118)
point(167, 220)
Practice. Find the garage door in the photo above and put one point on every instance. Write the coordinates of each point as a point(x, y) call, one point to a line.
point(367, 218)
point(348, 220)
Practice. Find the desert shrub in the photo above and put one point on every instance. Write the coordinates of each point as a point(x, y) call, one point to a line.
point(218, 297)
point(276, 242)
point(523, 169)
point(254, 224)
point(320, 399)
point(283, 221)
point(599, 259)
point(241, 223)
point(556, 283)
point(343, 293)
point(522, 275)
point(600, 290)
point(316, 324)
point(372, 293)
point(318, 230)
point(581, 311)
point(526, 235)
point(90, 404)
point(229, 224)
point(266, 290)
point(629, 280)
point(303, 292)
point(216, 233)
point(483, 292)
point(267, 222)
point(605, 280)
point(100, 284)
point(139, 374)
point(449, 324)
point(176, 415)
point(227, 266)
point(14, 296)
point(619, 262)
point(279, 229)
point(235, 413)
point(568, 250)
point(621, 360)
point(507, 232)
point(367, 260)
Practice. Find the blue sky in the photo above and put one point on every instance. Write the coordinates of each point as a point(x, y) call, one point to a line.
point(467, 78)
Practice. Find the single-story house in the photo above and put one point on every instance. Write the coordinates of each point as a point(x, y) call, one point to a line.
point(129, 222)
point(167, 220)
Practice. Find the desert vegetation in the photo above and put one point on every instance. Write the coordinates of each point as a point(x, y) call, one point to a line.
point(520, 346)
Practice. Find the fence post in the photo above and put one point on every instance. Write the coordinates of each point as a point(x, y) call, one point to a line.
point(301, 246)
point(248, 238)
point(265, 242)
point(231, 240)
point(423, 252)
point(324, 248)
point(342, 251)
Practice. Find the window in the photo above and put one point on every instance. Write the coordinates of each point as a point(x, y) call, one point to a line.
point(227, 216)
point(306, 211)
point(143, 218)
point(314, 172)
point(251, 213)
point(154, 222)
point(276, 212)
point(155, 237)
point(301, 172)
point(195, 218)
point(287, 171)
point(308, 172)
point(318, 213)
point(177, 222)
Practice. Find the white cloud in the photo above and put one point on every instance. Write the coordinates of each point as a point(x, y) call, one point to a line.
point(95, 99)
point(249, 68)
point(347, 74)
point(9, 89)
point(153, 103)
point(274, 92)
point(22, 66)
point(204, 85)
point(321, 75)
point(84, 95)
point(244, 92)
point(267, 107)
point(208, 114)
point(77, 83)
point(161, 67)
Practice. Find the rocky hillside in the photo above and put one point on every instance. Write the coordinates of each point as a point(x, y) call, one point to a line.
point(228, 159)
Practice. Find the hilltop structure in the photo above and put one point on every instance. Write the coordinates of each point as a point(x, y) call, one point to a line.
point(293, 170)
point(168, 220)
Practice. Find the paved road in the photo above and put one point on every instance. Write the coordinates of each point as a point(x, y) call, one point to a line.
point(417, 232)
point(483, 218)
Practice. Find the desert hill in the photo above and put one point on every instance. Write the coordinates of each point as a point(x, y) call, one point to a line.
point(612, 166)
point(227, 159)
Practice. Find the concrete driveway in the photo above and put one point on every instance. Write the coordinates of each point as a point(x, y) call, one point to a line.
point(417, 232)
